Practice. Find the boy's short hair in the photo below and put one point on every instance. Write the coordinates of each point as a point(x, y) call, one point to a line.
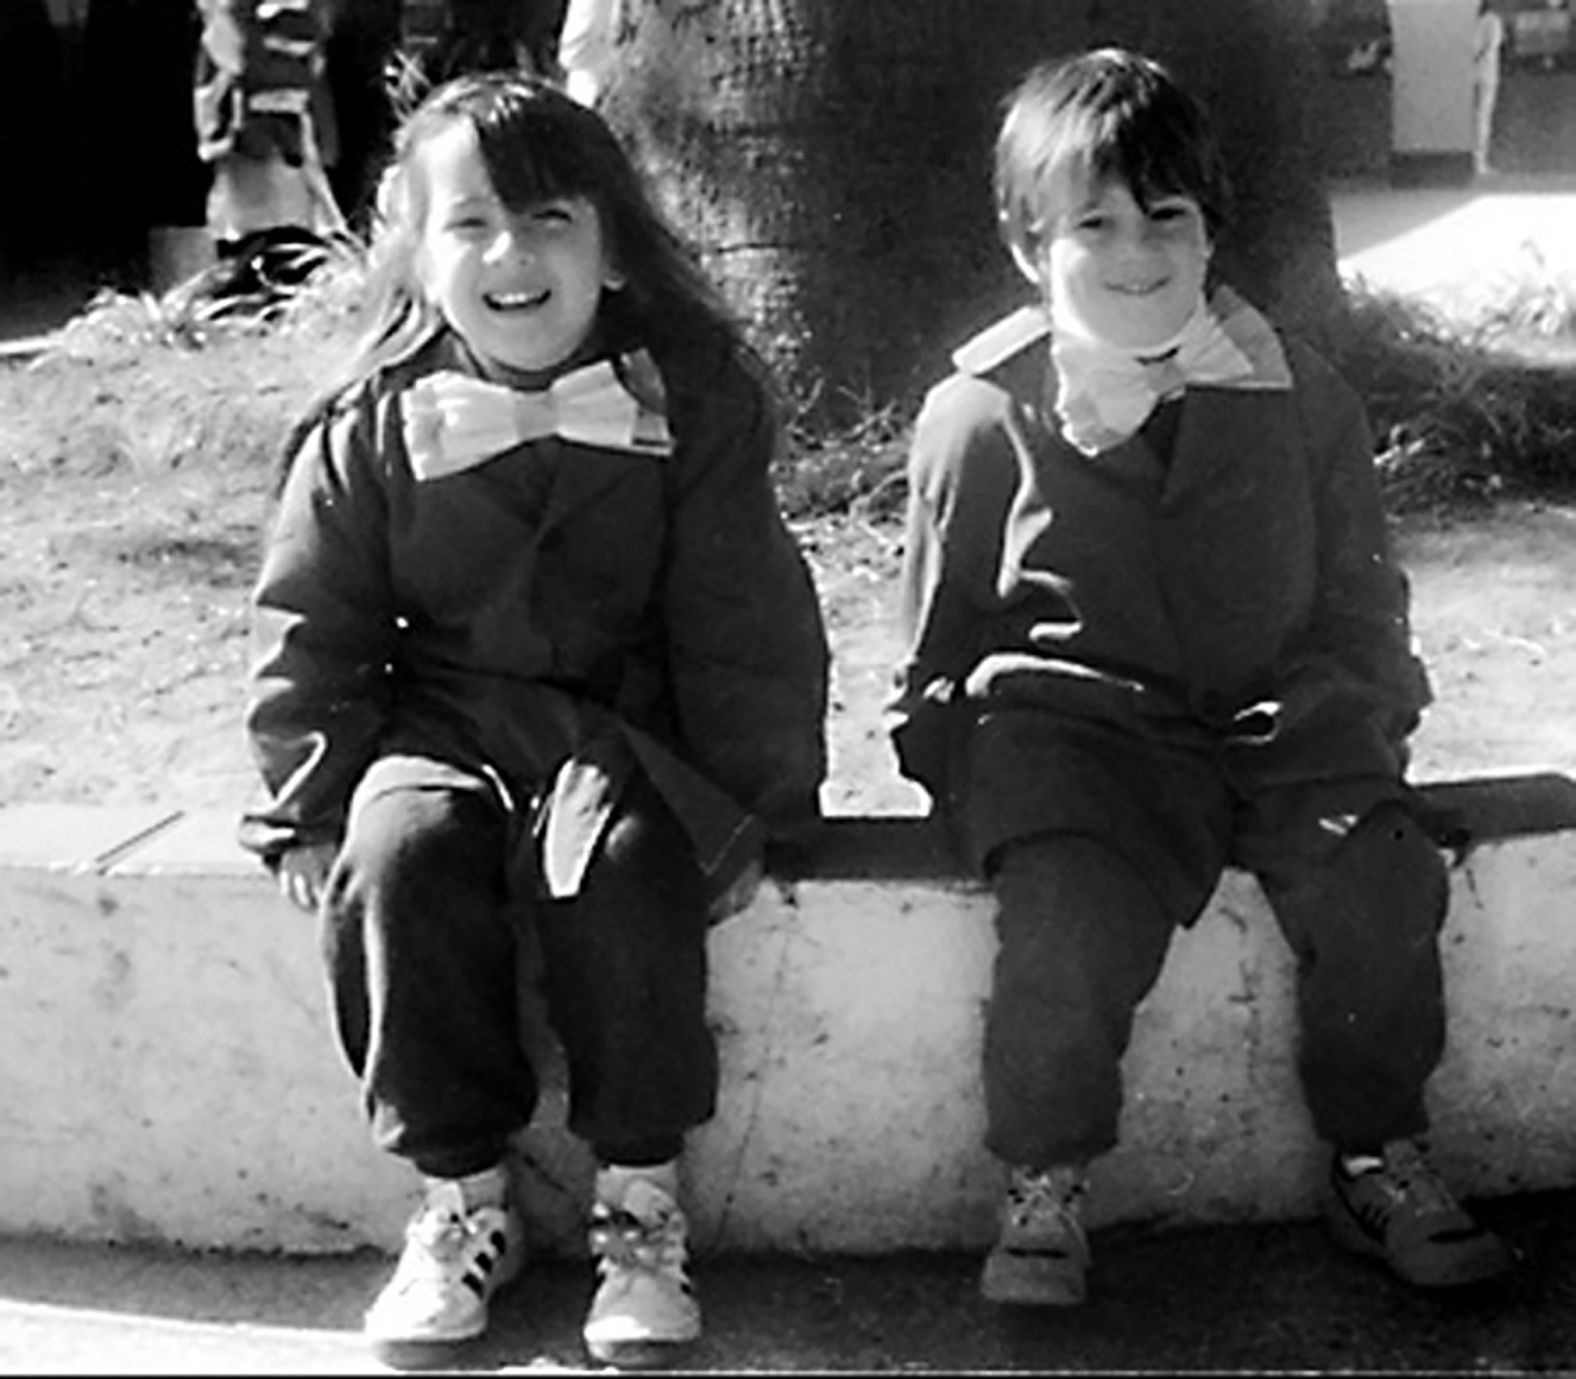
point(1105, 113)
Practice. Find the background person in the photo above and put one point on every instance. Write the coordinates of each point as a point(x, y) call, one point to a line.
point(266, 126)
point(1488, 43)
point(586, 47)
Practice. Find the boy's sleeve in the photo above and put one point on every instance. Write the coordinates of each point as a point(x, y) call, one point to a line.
point(1356, 656)
point(748, 655)
point(323, 628)
point(960, 473)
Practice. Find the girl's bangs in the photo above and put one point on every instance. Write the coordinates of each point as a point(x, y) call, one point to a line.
point(531, 157)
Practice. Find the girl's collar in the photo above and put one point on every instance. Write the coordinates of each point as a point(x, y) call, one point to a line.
point(634, 366)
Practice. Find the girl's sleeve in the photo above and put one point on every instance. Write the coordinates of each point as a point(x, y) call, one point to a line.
point(960, 481)
point(323, 627)
point(1355, 661)
point(747, 649)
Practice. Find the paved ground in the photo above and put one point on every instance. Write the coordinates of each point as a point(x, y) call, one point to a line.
point(1244, 1299)
point(1224, 1299)
point(1459, 247)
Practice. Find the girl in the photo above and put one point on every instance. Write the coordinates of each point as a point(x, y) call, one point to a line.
point(540, 666)
point(1155, 627)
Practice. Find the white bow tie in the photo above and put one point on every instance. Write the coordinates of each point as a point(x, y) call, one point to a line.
point(453, 422)
point(1105, 394)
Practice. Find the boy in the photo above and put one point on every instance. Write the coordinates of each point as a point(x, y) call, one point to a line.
point(1154, 628)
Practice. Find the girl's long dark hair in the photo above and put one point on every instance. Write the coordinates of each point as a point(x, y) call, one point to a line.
point(536, 143)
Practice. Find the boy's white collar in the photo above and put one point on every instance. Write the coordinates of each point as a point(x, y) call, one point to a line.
point(1105, 394)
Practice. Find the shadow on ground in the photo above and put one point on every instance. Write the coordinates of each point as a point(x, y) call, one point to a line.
point(1226, 1298)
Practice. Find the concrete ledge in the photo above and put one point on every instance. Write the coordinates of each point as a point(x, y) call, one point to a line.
point(167, 1072)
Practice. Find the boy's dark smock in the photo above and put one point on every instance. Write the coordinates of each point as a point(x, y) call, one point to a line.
point(546, 622)
point(1216, 593)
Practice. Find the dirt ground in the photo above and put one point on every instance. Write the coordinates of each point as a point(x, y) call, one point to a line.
point(123, 584)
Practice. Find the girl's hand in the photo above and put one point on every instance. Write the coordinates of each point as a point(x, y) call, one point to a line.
point(303, 872)
point(741, 894)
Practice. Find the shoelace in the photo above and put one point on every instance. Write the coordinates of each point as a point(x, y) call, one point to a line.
point(443, 1235)
point(1408, 1174)
point(1036, 1194)
point(622, 1240)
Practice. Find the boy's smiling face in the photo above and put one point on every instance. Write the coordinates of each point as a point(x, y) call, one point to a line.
point(1128, 274)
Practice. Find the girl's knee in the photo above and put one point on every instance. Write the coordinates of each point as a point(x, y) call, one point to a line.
point(418, 838)
point(646, 851)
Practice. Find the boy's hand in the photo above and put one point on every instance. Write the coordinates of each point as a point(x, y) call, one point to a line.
point(303, 872)
point(1257, 725)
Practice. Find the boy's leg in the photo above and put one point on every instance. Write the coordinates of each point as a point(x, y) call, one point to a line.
point(1362, 913)
point(1081, 939)
point(625, 972)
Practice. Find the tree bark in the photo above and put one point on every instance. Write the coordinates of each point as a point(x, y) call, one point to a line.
point(832, 160)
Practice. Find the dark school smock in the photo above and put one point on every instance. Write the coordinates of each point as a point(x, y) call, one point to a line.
point(1219, 585)
point(542, 623)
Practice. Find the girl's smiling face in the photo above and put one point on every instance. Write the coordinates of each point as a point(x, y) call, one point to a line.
point(521, 288)
point(1128, 274)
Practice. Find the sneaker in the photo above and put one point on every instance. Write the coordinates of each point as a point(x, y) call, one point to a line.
point(1395, 1208)
point(1041, 1256)
point(454, 1260)
point(644, 1307)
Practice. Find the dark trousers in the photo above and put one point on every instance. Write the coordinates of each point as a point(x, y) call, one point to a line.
point(426, 941)
point(1083, 934)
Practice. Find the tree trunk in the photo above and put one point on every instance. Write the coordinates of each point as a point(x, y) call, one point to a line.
point(831, 158)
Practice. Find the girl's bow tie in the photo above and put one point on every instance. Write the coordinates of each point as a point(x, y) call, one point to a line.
point(453, 422)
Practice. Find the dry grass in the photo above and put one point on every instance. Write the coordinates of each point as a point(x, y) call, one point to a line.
point(1466, 413)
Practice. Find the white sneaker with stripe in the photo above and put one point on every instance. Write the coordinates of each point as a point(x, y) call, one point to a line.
point(645, 1309)
point(453, 1262)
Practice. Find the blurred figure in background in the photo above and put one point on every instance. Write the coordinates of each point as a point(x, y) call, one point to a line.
point(585, 47)
point(265, 124)
point(1487, 50)
point(30, 85)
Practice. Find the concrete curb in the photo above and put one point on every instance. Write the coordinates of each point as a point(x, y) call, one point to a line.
point(167, 1074)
